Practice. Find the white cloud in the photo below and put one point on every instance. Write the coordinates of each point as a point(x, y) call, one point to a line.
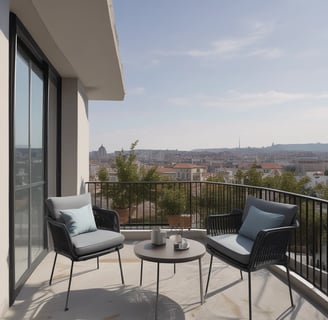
point(231, 47)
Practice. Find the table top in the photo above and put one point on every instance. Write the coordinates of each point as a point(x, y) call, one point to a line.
point(145, 250)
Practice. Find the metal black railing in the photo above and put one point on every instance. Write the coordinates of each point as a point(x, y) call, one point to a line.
point(308, 248)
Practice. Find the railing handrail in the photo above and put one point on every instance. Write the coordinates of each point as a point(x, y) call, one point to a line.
point(214, 183)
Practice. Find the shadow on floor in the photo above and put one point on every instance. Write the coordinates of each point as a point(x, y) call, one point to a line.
point(112, 303)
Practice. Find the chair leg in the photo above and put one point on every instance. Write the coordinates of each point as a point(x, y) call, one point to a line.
point(209, 274)
point(53, 269)
point(241, 275)
point(141, 272)
point(249, 296)
point(98, 263)
point(120, 262)
point(69, 285)
point(290, 288)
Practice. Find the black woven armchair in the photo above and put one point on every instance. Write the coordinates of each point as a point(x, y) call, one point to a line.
point(80, 232)
point(253, 238)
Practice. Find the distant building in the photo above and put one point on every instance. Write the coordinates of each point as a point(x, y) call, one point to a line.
point(102, 153)
point(313, 163)
point(190, 172)
point(93, 170)
point(317, 177)
point(167, 172)
point(270, 169)
point(246, 165)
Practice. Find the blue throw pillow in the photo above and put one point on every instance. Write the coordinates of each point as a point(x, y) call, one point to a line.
point(257, 220)
point(79, 220)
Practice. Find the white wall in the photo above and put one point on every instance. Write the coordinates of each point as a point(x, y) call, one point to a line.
point(82, 140)
point(316, 179)
point(75, 137)
point(4, 156)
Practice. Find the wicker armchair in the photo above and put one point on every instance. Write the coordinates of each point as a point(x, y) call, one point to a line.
point(253, 238)
point(80, 232)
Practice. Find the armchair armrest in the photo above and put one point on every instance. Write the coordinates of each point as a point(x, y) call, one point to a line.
point(270, 246)
point(106, 219)
point(61, 237)
point(224, 223)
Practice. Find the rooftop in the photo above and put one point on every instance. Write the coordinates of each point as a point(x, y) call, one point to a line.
point(187, 166)
point(99, 294)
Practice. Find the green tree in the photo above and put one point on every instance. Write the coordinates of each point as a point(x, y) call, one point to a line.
point(272, 182)
point(219, 177)
point(290, 168)
point(149, 174)
point(126, 165)
point(239, 176)
point(129, 192)
point(253, 177)
point(319, 190)
point(103, 174)
point(288, 182)
point(173, 201)
point(325, 193)
point(302, 185)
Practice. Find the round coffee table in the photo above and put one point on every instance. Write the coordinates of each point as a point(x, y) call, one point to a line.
point(145, 250)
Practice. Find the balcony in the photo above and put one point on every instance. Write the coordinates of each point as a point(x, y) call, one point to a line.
point(308, 249)
point(98, 294)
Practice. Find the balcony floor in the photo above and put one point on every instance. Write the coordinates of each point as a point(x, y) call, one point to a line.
point(98, 294)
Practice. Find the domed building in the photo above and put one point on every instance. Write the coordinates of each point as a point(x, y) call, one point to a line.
point(102, 153)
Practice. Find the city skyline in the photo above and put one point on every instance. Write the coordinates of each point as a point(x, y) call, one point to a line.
point(223, 75)
point(310, 148)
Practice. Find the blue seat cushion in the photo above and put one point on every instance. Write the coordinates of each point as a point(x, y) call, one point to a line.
point(288, 210)
point(99, 240)
point(79, 220)
point(257, 220)
point(235, 246)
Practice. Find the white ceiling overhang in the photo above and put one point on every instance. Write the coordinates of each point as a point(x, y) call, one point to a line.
point(79, 39)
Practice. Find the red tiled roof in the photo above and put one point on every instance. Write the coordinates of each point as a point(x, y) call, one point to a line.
point(165, 169)
point(275, 166)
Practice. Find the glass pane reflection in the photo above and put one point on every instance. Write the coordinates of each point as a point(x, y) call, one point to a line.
point(29, 164)
point(22, 161)
point(37, 221)
point(22, 207)
point(36, 126)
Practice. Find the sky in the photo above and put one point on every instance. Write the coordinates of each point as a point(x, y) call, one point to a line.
point(217, 73)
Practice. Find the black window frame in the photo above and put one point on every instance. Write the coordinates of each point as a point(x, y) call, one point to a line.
point(19, 37)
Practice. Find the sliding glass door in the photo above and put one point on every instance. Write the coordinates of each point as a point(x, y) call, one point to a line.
point(29, 164)
point(35, 89)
